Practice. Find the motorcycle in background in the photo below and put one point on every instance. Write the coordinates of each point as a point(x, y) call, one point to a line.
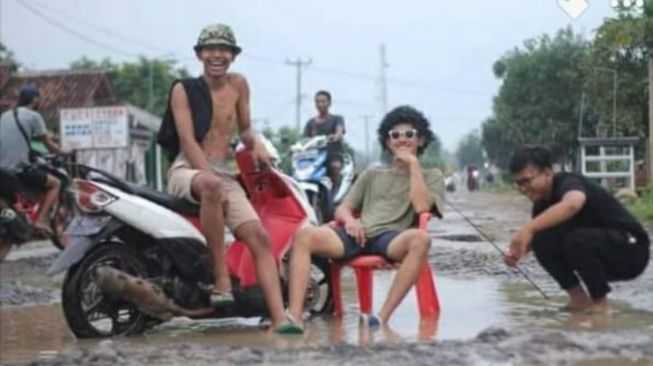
point(19, 206)
point(309, 165)
point(472, 178)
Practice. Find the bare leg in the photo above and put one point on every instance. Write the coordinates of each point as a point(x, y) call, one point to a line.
point(578, 299)
point(256, 238)
point(411, 248)
point(309, 241)
point(208, 189)
point(5, 247)
point(52, 186)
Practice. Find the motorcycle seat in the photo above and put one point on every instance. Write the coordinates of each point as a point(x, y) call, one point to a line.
point(176, 204)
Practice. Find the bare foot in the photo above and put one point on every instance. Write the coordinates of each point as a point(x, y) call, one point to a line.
point(575, 306)
point(601, 306)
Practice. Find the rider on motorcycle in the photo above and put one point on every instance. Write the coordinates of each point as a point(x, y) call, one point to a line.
point(17, 128)
point(333, 126)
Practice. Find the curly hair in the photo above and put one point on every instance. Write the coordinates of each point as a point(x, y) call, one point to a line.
point(405, 114)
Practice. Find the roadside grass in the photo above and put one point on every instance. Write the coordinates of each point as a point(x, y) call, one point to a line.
point(643, 207)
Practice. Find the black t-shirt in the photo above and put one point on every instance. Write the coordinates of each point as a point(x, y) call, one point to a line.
point(601, 209)
point(328, 127)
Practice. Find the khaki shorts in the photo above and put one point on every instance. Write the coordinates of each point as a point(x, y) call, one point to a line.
point(239, 209)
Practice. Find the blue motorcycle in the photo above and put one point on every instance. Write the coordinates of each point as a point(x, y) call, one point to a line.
point(309, 164)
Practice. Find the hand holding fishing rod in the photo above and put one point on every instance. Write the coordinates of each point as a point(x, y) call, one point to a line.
point(520, 244)
point(513, 255)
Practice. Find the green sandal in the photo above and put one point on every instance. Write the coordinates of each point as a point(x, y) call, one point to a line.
point(290, 326)
point(221, 298)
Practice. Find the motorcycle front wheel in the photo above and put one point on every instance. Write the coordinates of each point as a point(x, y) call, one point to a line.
point(320, 204)
point(88, 311)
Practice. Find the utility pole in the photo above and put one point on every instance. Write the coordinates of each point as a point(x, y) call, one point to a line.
point(614, 97)
point(383, 81)
point(650, 120)
point(299, 63)
point(366, 118)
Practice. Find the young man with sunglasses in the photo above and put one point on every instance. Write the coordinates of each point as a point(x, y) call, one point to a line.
point(579, 232)
point(388, 201)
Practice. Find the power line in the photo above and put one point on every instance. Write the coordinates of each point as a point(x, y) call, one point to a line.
point(329, 71)
point(67, 29)
point(103, 30)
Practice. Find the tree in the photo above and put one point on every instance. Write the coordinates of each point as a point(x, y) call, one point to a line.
point(470, 150)
point(283, 139)
point(432, 156)
point(7, 56)
point(538, 101)
point(145, 83)
point(620, 49)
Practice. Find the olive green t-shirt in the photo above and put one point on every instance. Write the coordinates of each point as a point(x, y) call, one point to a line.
point(382, 198)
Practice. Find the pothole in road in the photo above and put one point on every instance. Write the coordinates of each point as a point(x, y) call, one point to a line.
point(462, 237)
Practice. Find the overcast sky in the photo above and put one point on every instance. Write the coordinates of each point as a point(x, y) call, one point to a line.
point(440, 53)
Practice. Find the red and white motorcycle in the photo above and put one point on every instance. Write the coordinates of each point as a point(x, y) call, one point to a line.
point(137, 256)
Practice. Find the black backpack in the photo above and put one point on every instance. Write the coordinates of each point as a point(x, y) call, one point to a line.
point(201, 106)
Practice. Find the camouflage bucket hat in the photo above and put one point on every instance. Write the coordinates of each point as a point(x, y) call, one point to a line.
point(217, 35)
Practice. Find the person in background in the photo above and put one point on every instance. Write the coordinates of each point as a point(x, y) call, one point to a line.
point(332, 126)
point(18, 126)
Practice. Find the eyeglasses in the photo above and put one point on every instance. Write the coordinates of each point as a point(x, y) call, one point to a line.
point(396, 134)
point(526, 181)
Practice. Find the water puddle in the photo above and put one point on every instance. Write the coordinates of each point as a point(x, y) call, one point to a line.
point(527, 308)
point(468, 307)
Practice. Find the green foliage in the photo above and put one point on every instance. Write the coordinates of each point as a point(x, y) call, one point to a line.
point(432, 156)
point(539, 98)
point(283, 139)
point(470, 150)
point(145, 83)
point(7, 56)
point(643, 207)
point(620, 47)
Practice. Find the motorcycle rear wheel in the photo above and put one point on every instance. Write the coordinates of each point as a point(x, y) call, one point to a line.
point(92, 314)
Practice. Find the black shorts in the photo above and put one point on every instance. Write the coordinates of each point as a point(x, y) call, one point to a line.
point(32, 177)
point(376, 245)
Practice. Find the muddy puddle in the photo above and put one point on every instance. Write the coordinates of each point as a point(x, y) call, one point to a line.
point(490, 315)
point(468, 308)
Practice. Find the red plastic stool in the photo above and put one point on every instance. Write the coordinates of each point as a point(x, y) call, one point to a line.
point(427, 297)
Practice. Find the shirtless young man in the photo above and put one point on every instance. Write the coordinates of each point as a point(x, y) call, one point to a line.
point(199, 173)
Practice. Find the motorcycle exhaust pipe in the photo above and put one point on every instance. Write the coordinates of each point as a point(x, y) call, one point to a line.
point(148, 297)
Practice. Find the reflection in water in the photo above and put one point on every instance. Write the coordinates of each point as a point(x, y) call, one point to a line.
point(468, 306)
point(28, 333)
point(528, 308)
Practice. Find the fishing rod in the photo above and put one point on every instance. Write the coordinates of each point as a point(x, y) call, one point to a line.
point(478, 229)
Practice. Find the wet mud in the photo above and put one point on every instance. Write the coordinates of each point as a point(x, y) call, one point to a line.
point(490, 314)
